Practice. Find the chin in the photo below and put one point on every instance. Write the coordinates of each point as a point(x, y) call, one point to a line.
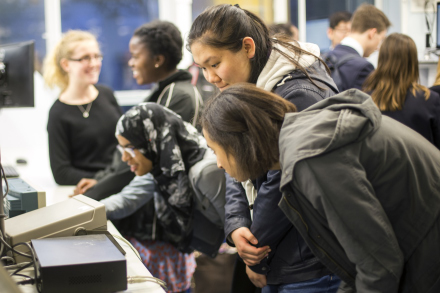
point(140, 172)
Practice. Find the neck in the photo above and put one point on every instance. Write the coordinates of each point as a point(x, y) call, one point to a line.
point(78, 94)
point(165, 74)
point(360, 38)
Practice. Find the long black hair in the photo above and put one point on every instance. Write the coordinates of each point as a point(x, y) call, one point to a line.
point(225, 26)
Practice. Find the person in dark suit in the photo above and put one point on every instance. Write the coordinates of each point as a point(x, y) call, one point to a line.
point(394, 88)
point(368, 29)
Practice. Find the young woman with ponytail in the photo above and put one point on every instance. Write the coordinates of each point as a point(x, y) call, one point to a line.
point(232, 45)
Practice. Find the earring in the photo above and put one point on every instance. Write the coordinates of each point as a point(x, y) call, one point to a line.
point(156, 65)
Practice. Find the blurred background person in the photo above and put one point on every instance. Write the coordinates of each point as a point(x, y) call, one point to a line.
point(82, 120)
point(287, 29)
point(347, 62)
point(395, 89)
point(340, 26)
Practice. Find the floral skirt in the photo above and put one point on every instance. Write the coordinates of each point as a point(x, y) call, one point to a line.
point(165, 262)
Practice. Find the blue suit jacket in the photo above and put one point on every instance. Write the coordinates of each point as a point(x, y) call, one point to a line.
point(353, 72)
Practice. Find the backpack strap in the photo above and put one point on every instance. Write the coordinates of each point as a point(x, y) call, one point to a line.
point(334, 63)
point(199, 104)
point(170, 94)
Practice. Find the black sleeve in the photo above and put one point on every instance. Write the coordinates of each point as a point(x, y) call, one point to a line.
point(112, 179)
point(436, 122)
point(270, 224)
point(59, 153)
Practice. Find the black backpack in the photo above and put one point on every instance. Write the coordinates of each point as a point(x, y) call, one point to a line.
point(334, 63)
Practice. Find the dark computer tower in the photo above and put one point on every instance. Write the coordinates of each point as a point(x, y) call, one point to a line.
point(89, 263)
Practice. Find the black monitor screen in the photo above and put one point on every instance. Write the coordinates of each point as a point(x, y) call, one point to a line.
point(438, 25)
point(17, 75)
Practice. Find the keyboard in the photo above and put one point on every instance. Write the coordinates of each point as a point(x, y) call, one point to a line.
point(10, 172)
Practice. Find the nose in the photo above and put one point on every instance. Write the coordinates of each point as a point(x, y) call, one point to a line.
point(211, 77)
point(125, 156)
point(130, 62)
point(219, 165)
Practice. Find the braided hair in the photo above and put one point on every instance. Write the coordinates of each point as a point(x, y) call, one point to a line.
point(162, 38)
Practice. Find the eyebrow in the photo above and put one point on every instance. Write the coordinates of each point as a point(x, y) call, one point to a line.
point(129, 145)
point(207, 60)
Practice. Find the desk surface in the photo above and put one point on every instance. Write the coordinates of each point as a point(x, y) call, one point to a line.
point(135, 267)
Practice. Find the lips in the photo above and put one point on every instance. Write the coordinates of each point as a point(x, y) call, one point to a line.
point(133, 168)
point(221, 88)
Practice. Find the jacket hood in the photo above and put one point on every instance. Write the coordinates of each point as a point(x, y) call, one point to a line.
point(316, 71)
point(278, 66)
point(325, 126)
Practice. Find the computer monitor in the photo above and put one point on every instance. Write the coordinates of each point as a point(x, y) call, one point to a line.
point(17, 75)
point(438, 25)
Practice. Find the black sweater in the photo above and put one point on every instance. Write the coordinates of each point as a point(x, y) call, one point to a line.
point(420, 114)
point(78, 146)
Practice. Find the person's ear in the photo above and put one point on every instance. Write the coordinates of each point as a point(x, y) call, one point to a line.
point(330, 33)
point(159, 61)
point(249, 47)
point(371, 33)
point(64, 63)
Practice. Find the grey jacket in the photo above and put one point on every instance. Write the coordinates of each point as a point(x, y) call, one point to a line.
point(364, 192)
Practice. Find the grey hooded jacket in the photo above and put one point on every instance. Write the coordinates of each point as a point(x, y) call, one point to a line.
point(364, 192)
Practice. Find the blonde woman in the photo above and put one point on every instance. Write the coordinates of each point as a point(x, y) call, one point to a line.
point(83, 119)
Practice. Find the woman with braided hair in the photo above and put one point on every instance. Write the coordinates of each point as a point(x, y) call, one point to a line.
point(156, 49)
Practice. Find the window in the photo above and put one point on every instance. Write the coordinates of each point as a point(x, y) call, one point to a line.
point(113, 22)
point(317, 14)
point(22, 21)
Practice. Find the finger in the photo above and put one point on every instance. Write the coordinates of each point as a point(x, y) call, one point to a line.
point(81, 183)
point(258, 252)
point(247, 234)
point(250, 263)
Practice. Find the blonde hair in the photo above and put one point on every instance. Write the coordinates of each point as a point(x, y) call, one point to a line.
point(53, 73)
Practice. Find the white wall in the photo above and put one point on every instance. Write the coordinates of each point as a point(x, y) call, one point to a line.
point(23, 133)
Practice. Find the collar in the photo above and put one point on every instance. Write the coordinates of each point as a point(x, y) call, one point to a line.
point(350, 42)
point(180, 75)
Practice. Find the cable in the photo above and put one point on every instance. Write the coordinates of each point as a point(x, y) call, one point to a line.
point(8, 258)
point(19, 265)
point(429, 23)
point(129, 244)
point(6, 181)
point(141, 279)
point(22, 268)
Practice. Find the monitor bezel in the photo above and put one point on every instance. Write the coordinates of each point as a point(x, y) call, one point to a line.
point(17, 78)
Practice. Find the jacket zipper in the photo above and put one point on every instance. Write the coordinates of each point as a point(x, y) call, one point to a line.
point(316, 244)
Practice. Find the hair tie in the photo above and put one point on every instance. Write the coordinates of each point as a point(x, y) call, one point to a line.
point(238, 6)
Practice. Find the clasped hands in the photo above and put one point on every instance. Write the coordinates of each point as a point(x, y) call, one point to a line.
point(251, 255)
